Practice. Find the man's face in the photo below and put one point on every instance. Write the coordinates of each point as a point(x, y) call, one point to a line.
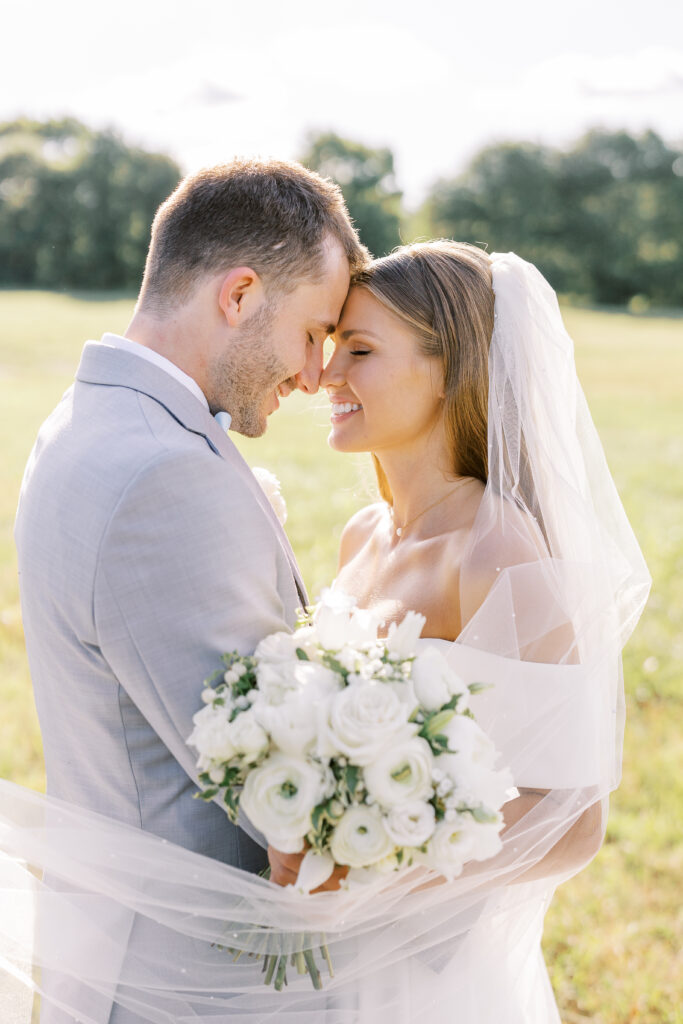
point(280, 347)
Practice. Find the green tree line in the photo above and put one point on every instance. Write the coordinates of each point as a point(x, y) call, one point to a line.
point(603, 219)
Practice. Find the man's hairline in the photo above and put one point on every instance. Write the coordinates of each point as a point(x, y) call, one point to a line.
point(274, 291)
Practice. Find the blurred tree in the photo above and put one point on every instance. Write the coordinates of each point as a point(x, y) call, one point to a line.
point(76, 205)
point(603, 219)
point(366, 177)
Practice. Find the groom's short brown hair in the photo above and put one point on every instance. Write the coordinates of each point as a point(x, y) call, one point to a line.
point(273, 216)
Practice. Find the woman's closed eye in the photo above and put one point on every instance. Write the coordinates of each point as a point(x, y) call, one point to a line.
point(360, 352)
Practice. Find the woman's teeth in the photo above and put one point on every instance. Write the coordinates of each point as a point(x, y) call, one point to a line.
point(340, 408)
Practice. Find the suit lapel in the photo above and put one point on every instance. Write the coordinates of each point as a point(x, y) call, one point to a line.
point(108, 366)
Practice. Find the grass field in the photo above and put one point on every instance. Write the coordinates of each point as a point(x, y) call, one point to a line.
point(613, 935)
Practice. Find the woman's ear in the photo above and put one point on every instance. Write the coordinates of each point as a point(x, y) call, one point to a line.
point(240, 295)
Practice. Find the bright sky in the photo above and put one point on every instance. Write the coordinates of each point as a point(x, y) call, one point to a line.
point(432, 79)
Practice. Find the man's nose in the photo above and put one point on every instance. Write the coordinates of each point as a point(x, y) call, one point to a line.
point(308, 379)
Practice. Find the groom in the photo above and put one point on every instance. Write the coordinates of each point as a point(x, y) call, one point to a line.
point(146, 547)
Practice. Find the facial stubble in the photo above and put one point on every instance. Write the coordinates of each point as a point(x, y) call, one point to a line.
point(245, 376)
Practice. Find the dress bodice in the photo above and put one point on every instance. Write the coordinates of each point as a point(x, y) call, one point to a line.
point(545, 719)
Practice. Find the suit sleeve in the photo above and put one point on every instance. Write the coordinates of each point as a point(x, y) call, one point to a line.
point(187, 570)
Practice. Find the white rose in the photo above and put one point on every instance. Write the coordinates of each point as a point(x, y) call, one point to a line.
point(279, 797)
point(277, 647)
point(403, 636)
point(275, 682)
point(360, 839)
point(410, 824)
point(364, 718)
point(271, 487)
point(402, 772)
point(435, 682)
point(211, 733)
point(292, 725)
point(316, 681)
point(247, 736)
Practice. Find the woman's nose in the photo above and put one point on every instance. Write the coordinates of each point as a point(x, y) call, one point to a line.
point(332, 375)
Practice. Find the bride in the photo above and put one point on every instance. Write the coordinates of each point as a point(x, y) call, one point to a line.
point(500, 523)
point(453, 369)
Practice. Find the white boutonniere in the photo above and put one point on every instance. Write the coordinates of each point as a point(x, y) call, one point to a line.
point(270, 485)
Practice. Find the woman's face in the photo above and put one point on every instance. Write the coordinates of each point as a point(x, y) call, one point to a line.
point(385, 394)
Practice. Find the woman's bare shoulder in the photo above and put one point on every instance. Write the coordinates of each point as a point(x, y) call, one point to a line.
point(358, 529)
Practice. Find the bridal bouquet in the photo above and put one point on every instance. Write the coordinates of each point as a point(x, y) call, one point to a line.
point(362, 751)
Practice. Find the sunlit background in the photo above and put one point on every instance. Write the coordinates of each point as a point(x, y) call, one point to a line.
point(552, 129)
point(433, 81)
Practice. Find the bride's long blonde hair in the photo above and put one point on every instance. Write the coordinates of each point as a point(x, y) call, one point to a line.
point(442, 291)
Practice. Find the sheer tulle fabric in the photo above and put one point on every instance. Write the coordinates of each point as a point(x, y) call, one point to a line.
point(551, 586)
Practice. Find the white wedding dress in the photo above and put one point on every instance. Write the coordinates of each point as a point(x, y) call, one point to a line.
point(496, 971)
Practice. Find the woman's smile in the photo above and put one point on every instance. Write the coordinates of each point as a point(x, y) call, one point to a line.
point(343, 410)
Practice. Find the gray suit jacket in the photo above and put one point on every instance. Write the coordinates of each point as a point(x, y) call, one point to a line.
point(146, 549)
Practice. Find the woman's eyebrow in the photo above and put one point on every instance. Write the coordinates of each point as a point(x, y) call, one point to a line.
point(345, 335)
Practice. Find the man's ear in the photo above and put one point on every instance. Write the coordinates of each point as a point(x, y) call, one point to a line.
point(241, 294)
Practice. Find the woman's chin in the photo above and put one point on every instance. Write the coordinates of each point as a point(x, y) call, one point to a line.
point(339, 443)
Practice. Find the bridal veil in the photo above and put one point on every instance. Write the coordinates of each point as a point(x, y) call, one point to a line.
point(552, 584)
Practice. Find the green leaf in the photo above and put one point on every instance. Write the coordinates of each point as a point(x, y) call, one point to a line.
point(483, 816)
point(351, 777)
point(301, 654)
point(435, 723)
point(478, 687)
point(207, 794)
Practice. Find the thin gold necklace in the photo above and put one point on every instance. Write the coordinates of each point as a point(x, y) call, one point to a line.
point(400, 530)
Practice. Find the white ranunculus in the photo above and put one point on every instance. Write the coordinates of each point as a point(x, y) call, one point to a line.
point(247, 736)
point(279, 797)
point(211, 733)
point(403, 636)
point(435, 682)
point(469, 744)
point(471, 766)
point(271, 487)
point(400, 773)
point(364, 718)
point(450, 846)
point(486, 841)
point(456, 842)
point(359, 839)
point(411, 823)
